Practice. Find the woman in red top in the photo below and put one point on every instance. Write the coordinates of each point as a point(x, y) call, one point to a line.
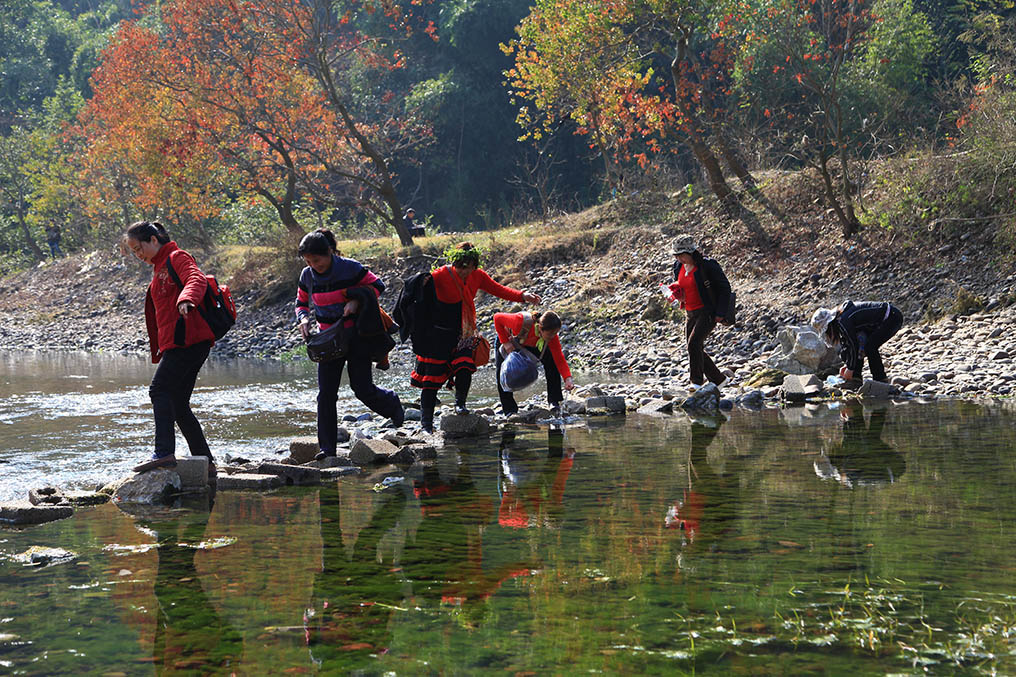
point(704, 293)
point(179, 337)
point(540, 339)
point(455, 286)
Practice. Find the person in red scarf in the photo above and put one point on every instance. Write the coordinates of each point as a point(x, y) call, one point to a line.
point(180, 341)
point(449, 358)
point(538, 336)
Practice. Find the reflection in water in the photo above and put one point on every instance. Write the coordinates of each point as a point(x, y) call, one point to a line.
point(357, 591)
point(708, 505)
point(543, 552)
point(862, 457)
point(444, 559)
point(190, 635)
point(532, 481)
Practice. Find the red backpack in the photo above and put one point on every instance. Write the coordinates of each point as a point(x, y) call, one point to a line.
point(217, 307)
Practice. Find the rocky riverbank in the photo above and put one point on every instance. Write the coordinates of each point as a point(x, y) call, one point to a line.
point(616, 322)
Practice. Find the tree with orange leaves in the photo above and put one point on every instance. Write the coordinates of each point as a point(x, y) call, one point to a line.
point(629, 71)
point(228, 98)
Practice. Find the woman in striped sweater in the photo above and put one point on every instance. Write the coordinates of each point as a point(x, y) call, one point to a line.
point(325, 284)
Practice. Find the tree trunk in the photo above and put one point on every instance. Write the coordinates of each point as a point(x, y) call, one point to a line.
point(26, 231)
point(849, 224)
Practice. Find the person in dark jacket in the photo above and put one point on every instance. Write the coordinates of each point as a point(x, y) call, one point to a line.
point(407, 219)
point(859, 329)
point(332, 285)
point(438, 310)
point(704, 294)
point(180, 341)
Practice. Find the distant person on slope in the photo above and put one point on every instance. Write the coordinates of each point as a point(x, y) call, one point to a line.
point(859, 329)
point(704, 294)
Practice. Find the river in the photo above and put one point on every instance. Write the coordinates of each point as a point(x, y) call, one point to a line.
point(836, 539)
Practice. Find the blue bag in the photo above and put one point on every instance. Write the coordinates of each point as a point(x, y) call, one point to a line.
point(519, 370)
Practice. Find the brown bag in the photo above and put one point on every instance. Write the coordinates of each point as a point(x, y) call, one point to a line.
point(481, 353)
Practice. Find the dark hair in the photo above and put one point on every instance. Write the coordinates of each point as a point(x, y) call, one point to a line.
point(144, 231)
point(550, 321)
point(320, 242)
point(833, 334)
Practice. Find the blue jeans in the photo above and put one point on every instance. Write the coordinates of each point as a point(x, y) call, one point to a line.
point(170, 392)
point(361, 380)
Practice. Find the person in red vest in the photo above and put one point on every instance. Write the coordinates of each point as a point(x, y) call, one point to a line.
point(449, 353)
point(179, 338)
point(538, 336)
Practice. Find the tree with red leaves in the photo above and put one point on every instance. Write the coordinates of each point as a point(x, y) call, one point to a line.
point(227, 98)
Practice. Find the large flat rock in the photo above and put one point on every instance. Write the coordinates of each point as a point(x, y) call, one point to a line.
point(19, 513)
point(248, 482)
point(291, 474)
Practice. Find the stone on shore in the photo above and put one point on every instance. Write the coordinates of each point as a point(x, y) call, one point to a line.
point(369, 451)
point(20, 513)
point(83, 498)
point(706, 397)
point(572, 407)
point(606, 405)
point(45, 496)
point(290, 474)
point(877, 390)
point(656, 407)
point(467, 425)
point(248, 482)
point(766, 377)
point(798, 388)
point(193, 472)
point(423, 452)
point(332, 474)
point(303, 449)
point(152, 487)
point(801, 351)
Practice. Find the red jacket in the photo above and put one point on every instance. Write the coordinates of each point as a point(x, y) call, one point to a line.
point(510, 324)
point(161, 314)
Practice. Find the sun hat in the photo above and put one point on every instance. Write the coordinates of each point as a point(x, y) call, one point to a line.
point(684, 245)
point(821, 318)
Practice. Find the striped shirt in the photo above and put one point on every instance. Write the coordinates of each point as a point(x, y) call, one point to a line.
point(327, 292)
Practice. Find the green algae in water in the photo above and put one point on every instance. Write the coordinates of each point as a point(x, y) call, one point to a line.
point(876, 541)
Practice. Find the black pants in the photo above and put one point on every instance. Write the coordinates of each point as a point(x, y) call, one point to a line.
point(554, 395)
point(882, 333)
point(361, 380)
point(698, 325)
point(170, 392)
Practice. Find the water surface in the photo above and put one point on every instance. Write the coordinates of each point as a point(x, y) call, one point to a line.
point(852, 540)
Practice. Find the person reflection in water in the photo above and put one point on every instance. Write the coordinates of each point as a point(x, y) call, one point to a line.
point(446, 561)
point(190, 635)
point(708, 505)
point(532, 484)
point(862, 457)
point(358, 590)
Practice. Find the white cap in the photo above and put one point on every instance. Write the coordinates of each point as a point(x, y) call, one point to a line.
point(821, 318)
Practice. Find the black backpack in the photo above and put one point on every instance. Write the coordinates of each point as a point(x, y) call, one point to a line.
point(217, 307)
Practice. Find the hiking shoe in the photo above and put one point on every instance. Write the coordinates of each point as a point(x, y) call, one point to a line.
point(384, 364)
point(427, 426)
point(167, 461)
point(213, 474)
point(399, 418)
point(322, 455)
point(555, 410)
point(461, 410)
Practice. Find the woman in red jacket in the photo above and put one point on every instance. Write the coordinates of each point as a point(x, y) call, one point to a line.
point(179, 337)
point(538, 336)
point(449, 354)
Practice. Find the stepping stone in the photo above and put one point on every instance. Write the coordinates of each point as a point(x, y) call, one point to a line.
point(248, 481)
point(21, 513)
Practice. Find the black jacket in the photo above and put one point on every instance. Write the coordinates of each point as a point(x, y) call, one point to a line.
point(713, 286)
point(433, 326)
point(370, 330)
point(855, 322)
